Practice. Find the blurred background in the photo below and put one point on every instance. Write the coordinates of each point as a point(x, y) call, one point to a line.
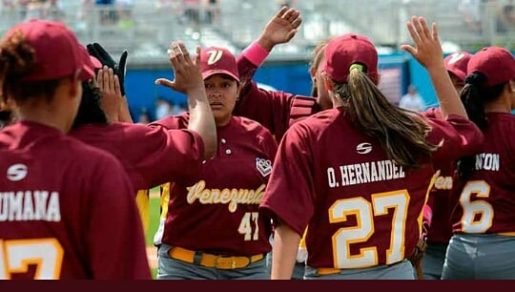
point(146, 27)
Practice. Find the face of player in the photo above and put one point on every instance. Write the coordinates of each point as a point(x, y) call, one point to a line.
point(323, 98)
point(222, 93)
point(72, 94)
point(458, 84)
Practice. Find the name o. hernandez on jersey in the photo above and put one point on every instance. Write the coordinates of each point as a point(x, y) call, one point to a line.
point(219, 213)
point(332, 176)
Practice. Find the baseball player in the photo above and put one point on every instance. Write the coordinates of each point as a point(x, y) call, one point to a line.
point(275, 109)
point(483, 246)
point(151, 156)
point(212, 229)
point(350, 173)
point(67, 209)
point(440, 199)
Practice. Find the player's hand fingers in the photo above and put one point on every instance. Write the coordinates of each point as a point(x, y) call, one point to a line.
point(409, 49)
point(288, 13)
point(185, 53)
point(117, 88)
point(165, 82)
point(295, 15)
point(436, 36)
point(281, 12)
point(424, 27)
point(100, 78)
point(110, 80)
point(176, 64)
point(413, 33)
point(179, 54)
point(295, 24)
point(197, 56)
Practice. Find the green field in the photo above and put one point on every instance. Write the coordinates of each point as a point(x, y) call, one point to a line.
point(153, 225)
point(154, 219)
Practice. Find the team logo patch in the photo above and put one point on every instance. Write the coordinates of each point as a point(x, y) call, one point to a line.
point(17, 172)
point(264, 166)
point(364, 148)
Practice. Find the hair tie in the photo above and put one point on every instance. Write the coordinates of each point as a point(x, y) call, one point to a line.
point(358, 67)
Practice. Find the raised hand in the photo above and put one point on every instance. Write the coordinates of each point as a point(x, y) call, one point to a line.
point(427, 50)
point(119, 69)
point(186, 71)
point(281, 28)
point(112, 98)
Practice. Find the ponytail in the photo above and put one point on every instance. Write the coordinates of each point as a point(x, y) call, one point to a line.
point(401, 133)
point(17, 59)
point(474, 96)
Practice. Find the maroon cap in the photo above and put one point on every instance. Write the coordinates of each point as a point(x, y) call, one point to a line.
point(456, 64)
point(58, 53)
point(496, 63)
point(216, 60)
point(344, 51)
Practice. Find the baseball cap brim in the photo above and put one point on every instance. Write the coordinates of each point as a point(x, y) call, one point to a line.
point(209, 73)
point(89, 64)
point(458, 73)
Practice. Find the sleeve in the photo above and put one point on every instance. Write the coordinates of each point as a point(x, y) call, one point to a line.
point(269, 144)
point(172, 122)
point(455, 137)
point(113, 234)
point(271, 109)
point(290, 193)
point(433, 113)
point(166, 155)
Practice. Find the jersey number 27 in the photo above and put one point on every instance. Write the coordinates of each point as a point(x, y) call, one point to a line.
point(365, 212)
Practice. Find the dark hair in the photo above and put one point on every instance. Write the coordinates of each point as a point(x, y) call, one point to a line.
point(17, 59)
point(5, 118)
point(402, 133)
point(90, 110)
point(474, 96)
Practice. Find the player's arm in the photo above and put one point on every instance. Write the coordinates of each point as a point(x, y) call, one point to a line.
point(289, 198)
point(280, 29)
point(284, 252)
point(271, 109)
point(112, 230)
point(188, 79)
point(428, 52)
point(166, 155)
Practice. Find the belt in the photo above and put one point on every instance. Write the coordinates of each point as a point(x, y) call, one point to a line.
point(332, 271)
point(211, 260)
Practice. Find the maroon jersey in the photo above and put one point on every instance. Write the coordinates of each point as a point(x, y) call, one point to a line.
point(364, 207)
point(440, 198)
point(219, 213)
point(151, 156)
point(66, 210)
point(486, 201)
point(276, 110)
